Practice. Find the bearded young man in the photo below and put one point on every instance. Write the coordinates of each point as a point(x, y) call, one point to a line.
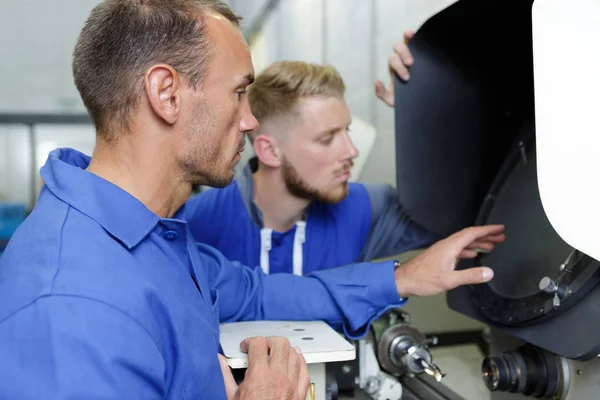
point(293, 209)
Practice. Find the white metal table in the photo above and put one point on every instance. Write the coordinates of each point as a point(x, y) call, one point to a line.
point(319, 343)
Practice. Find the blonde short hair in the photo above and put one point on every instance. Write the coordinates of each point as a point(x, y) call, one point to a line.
point(277, 89)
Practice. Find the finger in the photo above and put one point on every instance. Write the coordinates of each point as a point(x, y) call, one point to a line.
point(496, 238)
point(379, 89)
point(402, 50)
point(493, 238)
point(294, 365)
point(471, 276)
point(231, 386)
point(387, 96)
point(480, 245)
point(469, 235)
point(279, 351)
point(468, 254)
point(303, 378)
point(257, 349)
point(397, 65)
point(408, 35)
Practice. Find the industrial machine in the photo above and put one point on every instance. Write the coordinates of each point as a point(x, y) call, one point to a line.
point(498, 124)
point(392, 362)
point(395, 363)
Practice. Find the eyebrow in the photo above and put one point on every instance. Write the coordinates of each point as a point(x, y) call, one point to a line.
point(333, 131)
point(247, 80)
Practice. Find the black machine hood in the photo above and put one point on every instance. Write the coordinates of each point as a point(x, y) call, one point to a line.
point(465, 155)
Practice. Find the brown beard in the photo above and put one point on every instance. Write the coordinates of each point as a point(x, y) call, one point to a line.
point(301, 189)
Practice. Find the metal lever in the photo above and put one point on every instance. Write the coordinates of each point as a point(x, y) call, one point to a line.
point(560, 291)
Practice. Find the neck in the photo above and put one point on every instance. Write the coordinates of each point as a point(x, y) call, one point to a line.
point(280, 209)
point(143, 170)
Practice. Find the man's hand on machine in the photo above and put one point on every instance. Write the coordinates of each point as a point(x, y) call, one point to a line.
point(275, 371)
point(433, 271)
point(398, 63)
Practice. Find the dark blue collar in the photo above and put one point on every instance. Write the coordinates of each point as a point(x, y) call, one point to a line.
point(246, 187)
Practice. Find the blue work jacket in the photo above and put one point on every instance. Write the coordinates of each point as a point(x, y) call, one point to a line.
point(102, 299)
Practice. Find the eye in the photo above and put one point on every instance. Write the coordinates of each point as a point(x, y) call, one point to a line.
point(241, 93)
point(326, 140)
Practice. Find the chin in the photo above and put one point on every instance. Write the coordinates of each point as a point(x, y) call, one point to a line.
point(222, 181)
point(218, 179)
point(335, 196)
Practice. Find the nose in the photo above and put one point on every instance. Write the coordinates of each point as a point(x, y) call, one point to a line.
point(351, 151)
point(248, 122)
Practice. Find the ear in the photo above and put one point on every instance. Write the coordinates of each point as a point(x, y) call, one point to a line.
point(267, 150)
point(162, 85)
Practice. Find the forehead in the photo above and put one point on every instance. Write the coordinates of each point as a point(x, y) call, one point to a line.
point(231, 56)
point(320, 114)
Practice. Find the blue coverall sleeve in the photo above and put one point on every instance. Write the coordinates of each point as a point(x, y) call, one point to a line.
point(87, 350)
point(349, 298)
point(393, 230)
